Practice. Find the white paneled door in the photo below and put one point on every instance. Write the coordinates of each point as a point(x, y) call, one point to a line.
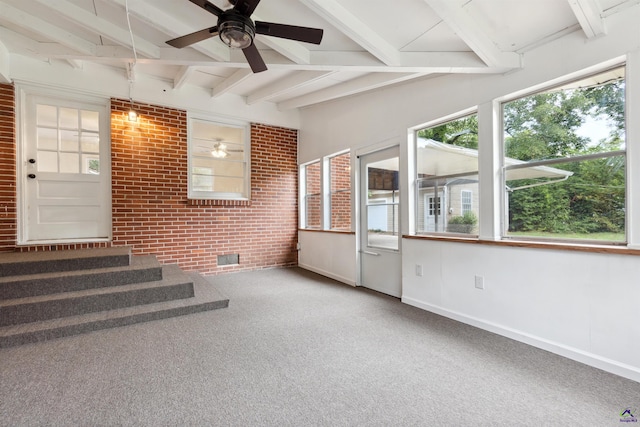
point(66, 191)
point(380, 260)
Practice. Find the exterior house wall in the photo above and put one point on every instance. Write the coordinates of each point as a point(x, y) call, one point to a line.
point(150, 208)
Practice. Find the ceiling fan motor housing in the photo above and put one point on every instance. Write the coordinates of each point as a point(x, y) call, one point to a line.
point(236, 30)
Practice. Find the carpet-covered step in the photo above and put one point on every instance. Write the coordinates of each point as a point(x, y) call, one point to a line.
point(18, 263)
point(174, 285)
point(143, 268)
point(206, 298)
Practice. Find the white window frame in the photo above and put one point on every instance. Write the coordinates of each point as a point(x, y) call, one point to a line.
point(330, 194)
point(550, 162)
point(325, 191)
point(304, 196)
point(192, 146)
point(417, 180)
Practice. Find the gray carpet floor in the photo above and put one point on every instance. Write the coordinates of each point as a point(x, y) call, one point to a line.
point(297, 349)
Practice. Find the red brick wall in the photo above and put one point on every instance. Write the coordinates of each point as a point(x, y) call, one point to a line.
point(151, 211)
point(7, 168)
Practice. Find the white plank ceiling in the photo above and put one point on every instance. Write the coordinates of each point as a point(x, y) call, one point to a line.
point(367, 44)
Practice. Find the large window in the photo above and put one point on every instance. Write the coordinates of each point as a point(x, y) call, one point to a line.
point(218, 160)
point(447, 177)
point(325, 187)
point(564, 161)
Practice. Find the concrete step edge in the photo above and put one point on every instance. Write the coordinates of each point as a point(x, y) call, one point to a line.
point(206, 298)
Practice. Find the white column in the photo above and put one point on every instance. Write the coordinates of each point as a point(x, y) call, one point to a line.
point(633, 148)
point(489, 171)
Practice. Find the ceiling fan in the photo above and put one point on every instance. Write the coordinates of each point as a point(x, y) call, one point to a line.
point(236, 29)
point(220, 149)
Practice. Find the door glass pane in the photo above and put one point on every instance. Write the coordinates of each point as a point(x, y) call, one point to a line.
point(47, 161)
point(46, 115)
point(69, 140)
point(47, 139)
point(90, 120)
point(69, 163)
point(91, 164)
point(69, 118)
point(90, 142)
point(383, 199)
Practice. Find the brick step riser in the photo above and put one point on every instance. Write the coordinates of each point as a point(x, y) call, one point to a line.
point(33, 312)
point(54, 285)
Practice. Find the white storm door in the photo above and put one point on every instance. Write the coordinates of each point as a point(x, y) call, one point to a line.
point(380, 259)
point(66, 174)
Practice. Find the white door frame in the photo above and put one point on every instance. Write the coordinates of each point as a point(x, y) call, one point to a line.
point(24, 90)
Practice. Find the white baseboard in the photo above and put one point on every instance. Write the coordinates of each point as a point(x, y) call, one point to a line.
point(608, 365)
point(328, 274)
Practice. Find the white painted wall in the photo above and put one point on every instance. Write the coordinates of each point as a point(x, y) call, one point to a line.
point(581, 305)
point(329, 254)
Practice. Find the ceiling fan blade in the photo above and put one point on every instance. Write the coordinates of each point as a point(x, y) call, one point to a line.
point(192, 38)
point(245, 7)
point(291, 32)
point(209, 7)
point(254, 59)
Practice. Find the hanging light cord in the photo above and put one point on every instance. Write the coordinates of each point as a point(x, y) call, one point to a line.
point(131, 70)
point(133, 42)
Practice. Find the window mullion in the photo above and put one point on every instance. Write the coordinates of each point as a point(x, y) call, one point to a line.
point(560, 160)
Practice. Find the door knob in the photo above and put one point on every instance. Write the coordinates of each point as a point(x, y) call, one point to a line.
point(31, 176)
point(32, 161)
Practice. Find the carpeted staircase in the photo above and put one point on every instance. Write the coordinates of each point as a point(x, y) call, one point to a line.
point(45, 295)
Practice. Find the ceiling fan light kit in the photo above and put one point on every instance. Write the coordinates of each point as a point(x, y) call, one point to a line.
point(236, 29)
point(219, 151)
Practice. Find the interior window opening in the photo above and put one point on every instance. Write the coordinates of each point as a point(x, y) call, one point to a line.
point(447, 177)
